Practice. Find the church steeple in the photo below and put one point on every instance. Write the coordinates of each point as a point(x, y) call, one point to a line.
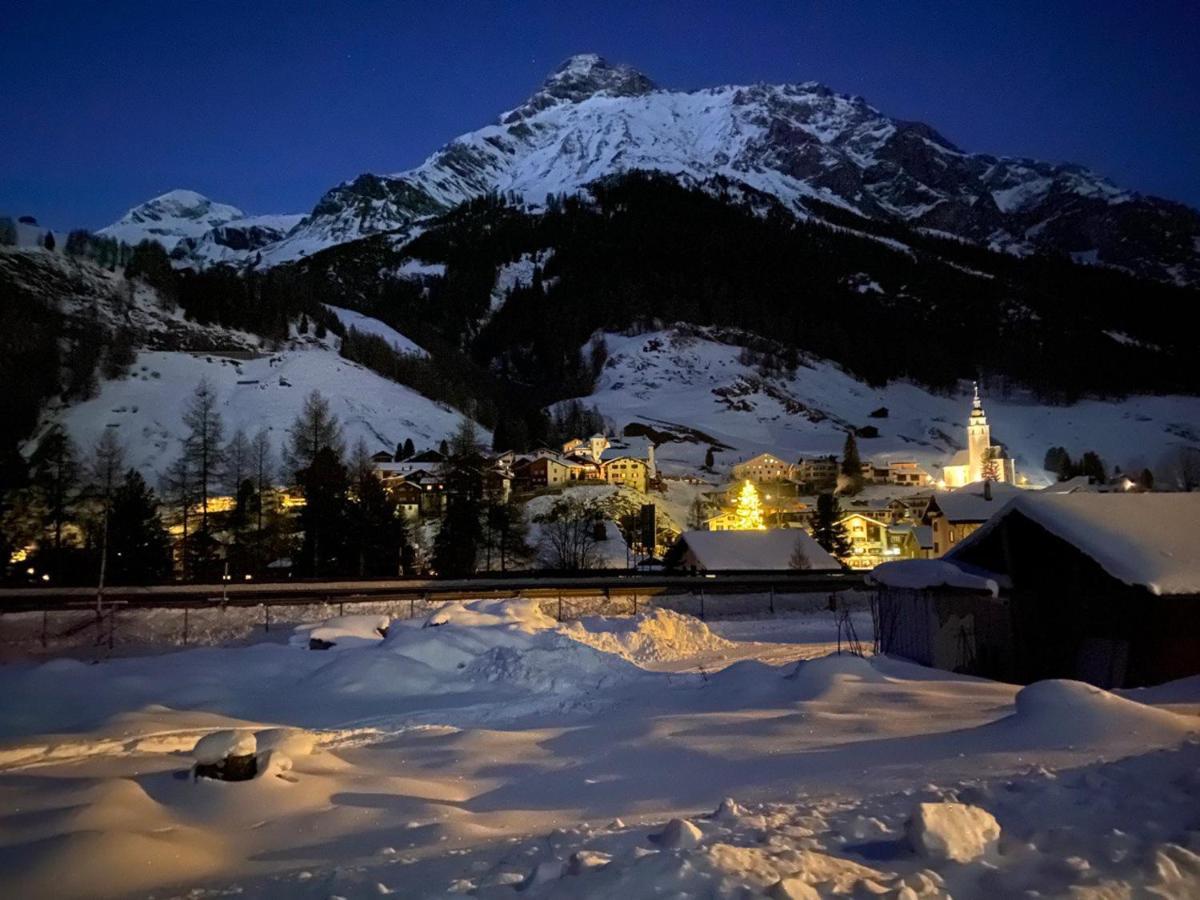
point(979, 438)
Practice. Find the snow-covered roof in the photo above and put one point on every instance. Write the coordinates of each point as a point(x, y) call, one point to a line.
point(756, 550)
point(969, 503)
point(923, 574)
point(1140, 539)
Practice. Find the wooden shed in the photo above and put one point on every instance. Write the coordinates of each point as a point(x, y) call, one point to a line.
point(1099, 587)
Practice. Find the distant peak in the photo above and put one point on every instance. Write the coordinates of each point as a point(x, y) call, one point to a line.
point(582, 76)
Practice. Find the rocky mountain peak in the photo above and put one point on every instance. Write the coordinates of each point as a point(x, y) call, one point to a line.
point(580, 77)
point(171, 217)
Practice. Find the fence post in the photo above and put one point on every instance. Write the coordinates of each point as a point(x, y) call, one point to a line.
point(185, 626)
point(44, 615)
point(772, 599)
point(635, 603)
point(412, 606)
point(560, 607)
point(266, 617)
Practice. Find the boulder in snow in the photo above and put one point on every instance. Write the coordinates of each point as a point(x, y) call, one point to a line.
point(679, 834)
point(226, 756)
point(951, 831)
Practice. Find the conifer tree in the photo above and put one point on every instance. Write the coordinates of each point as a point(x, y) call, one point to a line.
point(203, 444)
point(851, 467)
point(139, 546)
point(315, 429)
point(54, 470)
point(827, 528)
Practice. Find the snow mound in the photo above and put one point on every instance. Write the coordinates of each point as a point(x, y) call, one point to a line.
point(678, 834)
point(660, 635)
point(816, 678)
point(341, 632)
point(1060, 710)
point(212, 748)
point(951, 831)
point(521, 614)
point(468, 644)
point(291, 741)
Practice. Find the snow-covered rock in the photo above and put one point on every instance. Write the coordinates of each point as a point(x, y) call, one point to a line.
point(952, 831)
point(219, 745)
point(678, 834)
point(341, 632)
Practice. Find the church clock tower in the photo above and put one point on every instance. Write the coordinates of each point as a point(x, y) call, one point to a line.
point(979, 440)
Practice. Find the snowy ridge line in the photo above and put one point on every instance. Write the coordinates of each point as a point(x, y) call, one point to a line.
point(19, 757)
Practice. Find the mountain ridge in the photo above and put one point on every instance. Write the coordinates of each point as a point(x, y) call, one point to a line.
point(803, 143)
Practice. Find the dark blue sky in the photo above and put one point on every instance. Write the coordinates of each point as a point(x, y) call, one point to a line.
point(267, 104)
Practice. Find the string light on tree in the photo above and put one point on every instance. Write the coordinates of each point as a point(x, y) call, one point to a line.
point(748, 510)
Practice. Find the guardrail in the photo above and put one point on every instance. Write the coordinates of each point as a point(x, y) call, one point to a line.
point(37, 599)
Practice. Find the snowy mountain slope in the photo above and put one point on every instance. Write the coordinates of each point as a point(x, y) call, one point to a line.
point(800, 143)
point(256, 387)
point(367, 325)
point(146, 407)
point(685, 380)
point(171, 217)
point(235, 241)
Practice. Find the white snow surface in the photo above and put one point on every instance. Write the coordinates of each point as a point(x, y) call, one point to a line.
point(343, 631)
point(146, 407)
point(1140, 539)
point(369, 325)
point(689, 381)
point(922, 574)
point(484, 747)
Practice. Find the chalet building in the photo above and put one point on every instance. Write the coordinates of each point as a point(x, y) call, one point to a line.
point(382, 457)
point(626, 471)
point(1098, 587)
point(764, 468)
point(955, 514)
point(817, 470)
point(873, 474)
point(407, 496)
point(907, 473)
point(777, 550)
point(878, 540)
point(982, 460)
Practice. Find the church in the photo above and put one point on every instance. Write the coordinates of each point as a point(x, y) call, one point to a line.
point(981, 460)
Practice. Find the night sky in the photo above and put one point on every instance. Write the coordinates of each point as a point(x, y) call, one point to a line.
point(266, 105)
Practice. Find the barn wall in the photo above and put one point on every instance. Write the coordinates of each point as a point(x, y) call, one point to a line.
point(1071, 619)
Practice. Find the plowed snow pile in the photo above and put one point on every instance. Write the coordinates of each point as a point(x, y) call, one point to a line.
point(657, 636)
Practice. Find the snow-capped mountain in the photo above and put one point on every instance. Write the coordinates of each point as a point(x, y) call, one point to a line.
point(171, 217)
point(802, 143)
point(234, 241)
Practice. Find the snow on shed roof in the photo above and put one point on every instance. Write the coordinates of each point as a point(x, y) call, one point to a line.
point(1140, 539)
point(922, 574)
point(968, 503)
point(756, 550)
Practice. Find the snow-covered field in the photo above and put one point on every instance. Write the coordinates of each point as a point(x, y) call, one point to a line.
point(680, 382)
point(487, 749)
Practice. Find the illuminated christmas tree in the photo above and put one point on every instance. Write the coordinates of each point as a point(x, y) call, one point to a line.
point(748, 510)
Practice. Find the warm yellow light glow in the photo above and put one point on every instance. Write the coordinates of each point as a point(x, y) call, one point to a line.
point(748, 511)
